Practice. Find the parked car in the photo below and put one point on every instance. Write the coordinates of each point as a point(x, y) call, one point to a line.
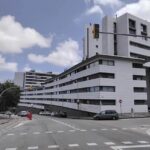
point(45, 113)
point(23, 113)
point(107, 114)
point(59, 114)
point(62, 115)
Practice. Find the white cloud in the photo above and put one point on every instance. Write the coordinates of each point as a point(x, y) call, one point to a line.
point(66, 55)
point(108, 2)
point(27, 68)
point(14, 37)
point(7, 66)
point(93, 10)
point(140, 9)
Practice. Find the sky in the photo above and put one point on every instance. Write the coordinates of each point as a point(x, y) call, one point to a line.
point(46, 35)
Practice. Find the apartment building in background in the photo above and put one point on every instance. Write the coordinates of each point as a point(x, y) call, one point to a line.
point(112, 74)
point(31, 79)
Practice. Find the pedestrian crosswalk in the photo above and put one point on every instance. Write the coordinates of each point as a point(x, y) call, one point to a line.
point(109, 144)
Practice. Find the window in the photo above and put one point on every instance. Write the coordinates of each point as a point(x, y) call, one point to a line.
point(139, 102)
point(107, 75)
point(108, 102)
point(107, 88)
point(132, 23)
point(139, 45)
point(143, 28)
point(139, 89)
point(94, 89)
point(137, 65)
point(106, 62)
point(132, 27)
point(96, 46)
point(138, 77)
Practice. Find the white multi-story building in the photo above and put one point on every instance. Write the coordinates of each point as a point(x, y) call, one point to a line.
point(31, 79)
point(97, 83)
point(126, 45)
point(111, 75)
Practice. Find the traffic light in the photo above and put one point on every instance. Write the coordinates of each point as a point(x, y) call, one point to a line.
point(96, 31)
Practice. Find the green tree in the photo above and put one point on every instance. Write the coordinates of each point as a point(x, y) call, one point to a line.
point(10, 94)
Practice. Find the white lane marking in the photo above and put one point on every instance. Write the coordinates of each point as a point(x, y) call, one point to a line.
point(36, 133)
point(134, 128)
point(33, 147)
point(65, 124)
point(11, 149)
point(148, 132)
point(91, 144)
point(145, 125)
point(23, 133)
point(10, 134)
point(127, 142)
point(114, 129)
point(129, 146)
point(143, 142)
point(22, 123)
point(104, 129)
point(143, 128)
point(18, 125)
point(73, 145)
point(72, 130)
point(124, 128)
point(48, 132)
point(53, 146)
point(94, 129)
point(83, 130)
point(109, 143)
point(60, 131)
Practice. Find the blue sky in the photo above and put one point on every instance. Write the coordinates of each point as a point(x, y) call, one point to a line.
point(46, 35)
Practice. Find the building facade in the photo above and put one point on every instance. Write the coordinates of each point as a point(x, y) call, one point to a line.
point(96, 84)
point(31, 79)
point(111, 76)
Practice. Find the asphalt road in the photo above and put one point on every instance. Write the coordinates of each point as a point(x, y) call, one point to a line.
point(46, 133)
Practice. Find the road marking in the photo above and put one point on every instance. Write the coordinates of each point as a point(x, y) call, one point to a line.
point(127, 142)
point(148, 132)
point(145, 125)
point(23, 133)
point(143, 128)
point(72, 130)
point(33, 147)
point(114, 129)
point(143, 142)
point(36, 133)
point(65, 124)
point(104, 129)
point(83, 130)
point(53, 146)
point(18, 125)
point(10, 134)
point(22, 123)
point(60, 131)
point(11, 149)
point(124, 128)
point(131, 146)
point(94, 129)
point(109, 143)
point(48, 132)
point(73, 145)
point(91, 144)
point(134, 128)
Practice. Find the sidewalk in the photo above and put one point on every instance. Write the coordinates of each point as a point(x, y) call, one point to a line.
point(3, 121)
point(121, 116)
